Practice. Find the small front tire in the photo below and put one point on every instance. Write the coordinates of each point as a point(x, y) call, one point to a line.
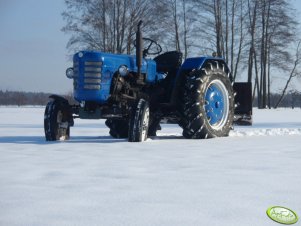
point(139, 122)
point(56, 122)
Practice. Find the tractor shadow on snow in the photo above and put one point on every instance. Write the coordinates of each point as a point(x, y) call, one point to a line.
point(40, 140)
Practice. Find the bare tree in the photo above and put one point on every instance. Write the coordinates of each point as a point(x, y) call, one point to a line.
point(185, 41)
point(174, 6)
point(294, 72)
point(107, 25)
point(271, 30)
point(223, 21)
point(252, 13)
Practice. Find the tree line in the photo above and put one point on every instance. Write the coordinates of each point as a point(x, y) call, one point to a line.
point(255, 37)
point(17, 98)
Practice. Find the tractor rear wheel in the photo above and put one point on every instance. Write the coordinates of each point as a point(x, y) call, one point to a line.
point(56, 122)
point(139, 122)
point(118, 127)
point(207, 104)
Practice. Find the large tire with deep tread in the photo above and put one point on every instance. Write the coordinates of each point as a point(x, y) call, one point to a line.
point(139, 122)
point(118, 127)
point(207, 103)
point(56, 122)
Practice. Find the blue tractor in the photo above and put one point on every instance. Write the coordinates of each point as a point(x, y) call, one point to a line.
point(134, 94)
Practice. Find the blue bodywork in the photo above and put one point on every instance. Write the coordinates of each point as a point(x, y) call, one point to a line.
point(197, 62)
point(93, 72)
point(85, 74)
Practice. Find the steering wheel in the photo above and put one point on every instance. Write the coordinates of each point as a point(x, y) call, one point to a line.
point(153, 48)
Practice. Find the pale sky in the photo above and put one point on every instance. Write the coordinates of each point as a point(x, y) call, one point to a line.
point(33, 54)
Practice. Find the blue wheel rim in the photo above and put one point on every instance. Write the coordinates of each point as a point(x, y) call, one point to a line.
point(216, 104)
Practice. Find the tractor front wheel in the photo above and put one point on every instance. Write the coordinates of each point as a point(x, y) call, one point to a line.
point(139, 122)
point(56, 122)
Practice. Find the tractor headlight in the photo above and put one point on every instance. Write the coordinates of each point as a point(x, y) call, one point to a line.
point(70, 72)
point(123, 70)
point(80, 54)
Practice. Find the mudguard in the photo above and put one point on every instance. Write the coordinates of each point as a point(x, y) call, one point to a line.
point(60, 99)
point(190, 64)
point(67, 108)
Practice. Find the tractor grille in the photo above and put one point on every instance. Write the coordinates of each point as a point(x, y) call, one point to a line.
point(92, 75)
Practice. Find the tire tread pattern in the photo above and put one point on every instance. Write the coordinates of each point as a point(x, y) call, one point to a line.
point(193, 117)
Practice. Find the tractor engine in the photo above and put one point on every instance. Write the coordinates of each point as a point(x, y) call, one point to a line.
point(101, 77)
point(122, 88)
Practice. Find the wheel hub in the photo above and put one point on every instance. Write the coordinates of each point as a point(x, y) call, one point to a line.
point(216, 106)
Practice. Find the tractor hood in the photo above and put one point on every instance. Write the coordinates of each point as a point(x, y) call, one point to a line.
point(93, 73)
point(112, 62)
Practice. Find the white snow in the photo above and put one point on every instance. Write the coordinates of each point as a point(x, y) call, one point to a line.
point(94, 179)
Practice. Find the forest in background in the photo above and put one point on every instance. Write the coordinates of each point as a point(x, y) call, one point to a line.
point(19, 98)
point(16, 98)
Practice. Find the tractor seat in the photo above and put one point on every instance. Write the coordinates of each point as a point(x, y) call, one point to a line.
point(169, 62)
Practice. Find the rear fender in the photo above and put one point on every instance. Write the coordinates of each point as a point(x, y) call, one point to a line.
point(63, 101)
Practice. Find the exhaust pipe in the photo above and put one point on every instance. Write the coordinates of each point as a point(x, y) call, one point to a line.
point(139, 43)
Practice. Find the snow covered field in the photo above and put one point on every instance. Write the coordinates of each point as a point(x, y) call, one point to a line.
point(93, 179)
